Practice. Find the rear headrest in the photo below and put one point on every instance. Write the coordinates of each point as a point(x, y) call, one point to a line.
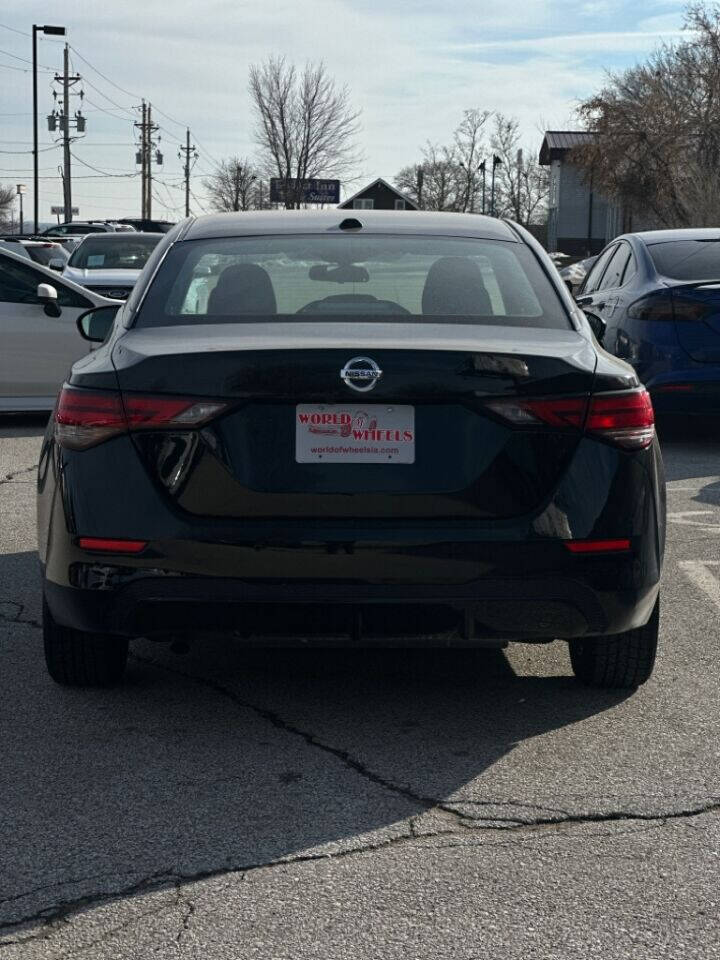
point(454, 287)
point(244, 288)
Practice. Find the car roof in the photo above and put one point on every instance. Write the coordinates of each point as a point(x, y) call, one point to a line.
point(323, 221)
point(667, 236)
point(117, 237)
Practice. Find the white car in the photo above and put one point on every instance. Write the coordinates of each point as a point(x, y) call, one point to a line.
point(110, 263)
point(39, 339)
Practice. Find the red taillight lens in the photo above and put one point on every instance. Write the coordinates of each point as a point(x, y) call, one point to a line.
point(111, 545)
point(84, 418)
point(626, 419)
point(597, 546)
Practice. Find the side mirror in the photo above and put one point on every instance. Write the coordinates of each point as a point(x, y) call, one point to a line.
point(94, 325)
point(57, 263)
point(597, 324)
point(47, 295)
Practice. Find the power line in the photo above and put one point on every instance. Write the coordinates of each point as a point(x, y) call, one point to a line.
point(103, 172)
point(135, 96)
point(22, 33)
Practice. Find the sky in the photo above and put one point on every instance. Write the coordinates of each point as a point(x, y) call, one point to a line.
point(411, 66)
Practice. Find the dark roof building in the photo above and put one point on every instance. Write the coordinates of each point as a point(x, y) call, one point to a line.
point(581, 221)
point(378, 195)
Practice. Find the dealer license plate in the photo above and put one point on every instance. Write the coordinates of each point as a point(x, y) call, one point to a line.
point(354, 433)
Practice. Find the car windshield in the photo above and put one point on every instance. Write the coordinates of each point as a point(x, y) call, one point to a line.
point(129, 252)
point(687, 259)
point(368, 278)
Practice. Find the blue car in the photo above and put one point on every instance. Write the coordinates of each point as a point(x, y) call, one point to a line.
point(653, 299)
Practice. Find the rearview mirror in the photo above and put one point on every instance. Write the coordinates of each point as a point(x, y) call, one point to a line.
point(94, 325)
point(57, 263)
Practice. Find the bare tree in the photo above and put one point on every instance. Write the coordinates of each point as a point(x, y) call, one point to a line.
point(657, 126)
point(469, 149)
point(522, 185)
point(232, 185)
point(305, 125)
point(7, 199)
point(448, 176)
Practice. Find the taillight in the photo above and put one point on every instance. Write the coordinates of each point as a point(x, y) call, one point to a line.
point(625, 419)
point(654, 307)
point(556, 411)
point(84, 418)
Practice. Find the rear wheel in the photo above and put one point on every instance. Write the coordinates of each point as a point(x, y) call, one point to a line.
point(625, 660)
point(77, 659)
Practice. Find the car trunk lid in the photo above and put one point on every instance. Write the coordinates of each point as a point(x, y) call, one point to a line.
point(467, 459)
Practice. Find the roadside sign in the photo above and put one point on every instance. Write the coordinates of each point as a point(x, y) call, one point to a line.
point(59, 211)
point(312, 191)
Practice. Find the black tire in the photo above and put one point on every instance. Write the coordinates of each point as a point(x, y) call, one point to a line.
point(77, 659)
point(625, 660)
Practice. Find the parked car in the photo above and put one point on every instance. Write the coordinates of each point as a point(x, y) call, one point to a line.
point(110, 263)
point(83, 227)
point(15, 247)
point(148, 226)
point(364, 428)
point(655, 301)
point(574, 274)
point(39, 339)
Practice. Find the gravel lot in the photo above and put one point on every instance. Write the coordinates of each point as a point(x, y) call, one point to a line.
point(364, 805)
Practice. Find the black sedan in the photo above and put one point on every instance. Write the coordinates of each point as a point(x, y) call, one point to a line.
point(391, 429)
point(654, 300)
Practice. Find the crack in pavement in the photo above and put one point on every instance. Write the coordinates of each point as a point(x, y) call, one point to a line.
point(11, 611)
point(9, 477)
point(466, 825)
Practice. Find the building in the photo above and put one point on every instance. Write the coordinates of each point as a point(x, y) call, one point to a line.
point(581, 221)
point(378, 195)
point(577, 215)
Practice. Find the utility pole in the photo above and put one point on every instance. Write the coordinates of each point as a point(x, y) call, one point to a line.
point(67, 193)
point(64, 121)
point(496, 162)
point(148, 169)
point(55, 32)
point(143, 160)
point(188, 150)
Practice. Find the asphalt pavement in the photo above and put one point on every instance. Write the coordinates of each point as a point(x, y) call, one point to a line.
point(388, 804)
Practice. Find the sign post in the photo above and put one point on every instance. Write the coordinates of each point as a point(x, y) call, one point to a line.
point(60, 211)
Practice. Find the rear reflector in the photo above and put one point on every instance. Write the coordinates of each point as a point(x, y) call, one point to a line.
point(625, 419)
point(109, 545)
point(597, 546)
point(84, 418)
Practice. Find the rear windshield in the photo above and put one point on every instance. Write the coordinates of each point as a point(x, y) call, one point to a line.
point(129, 252)
point(349, 277)
point(687, 259)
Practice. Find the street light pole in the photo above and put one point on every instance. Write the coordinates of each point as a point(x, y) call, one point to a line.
point(21, 188)
point(482, 168)
point(55, 32)
point(496, 162)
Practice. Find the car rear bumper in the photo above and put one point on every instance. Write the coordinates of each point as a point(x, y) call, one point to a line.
point(694, 392)
point(552, 606)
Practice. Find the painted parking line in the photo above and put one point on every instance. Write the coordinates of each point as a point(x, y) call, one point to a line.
point(691, 518)
point(704, 574)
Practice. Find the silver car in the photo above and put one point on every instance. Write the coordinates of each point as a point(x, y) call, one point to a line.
point(39, 340)
point(110, 263)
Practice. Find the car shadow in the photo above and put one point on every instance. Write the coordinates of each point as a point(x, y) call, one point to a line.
point(226, 759)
